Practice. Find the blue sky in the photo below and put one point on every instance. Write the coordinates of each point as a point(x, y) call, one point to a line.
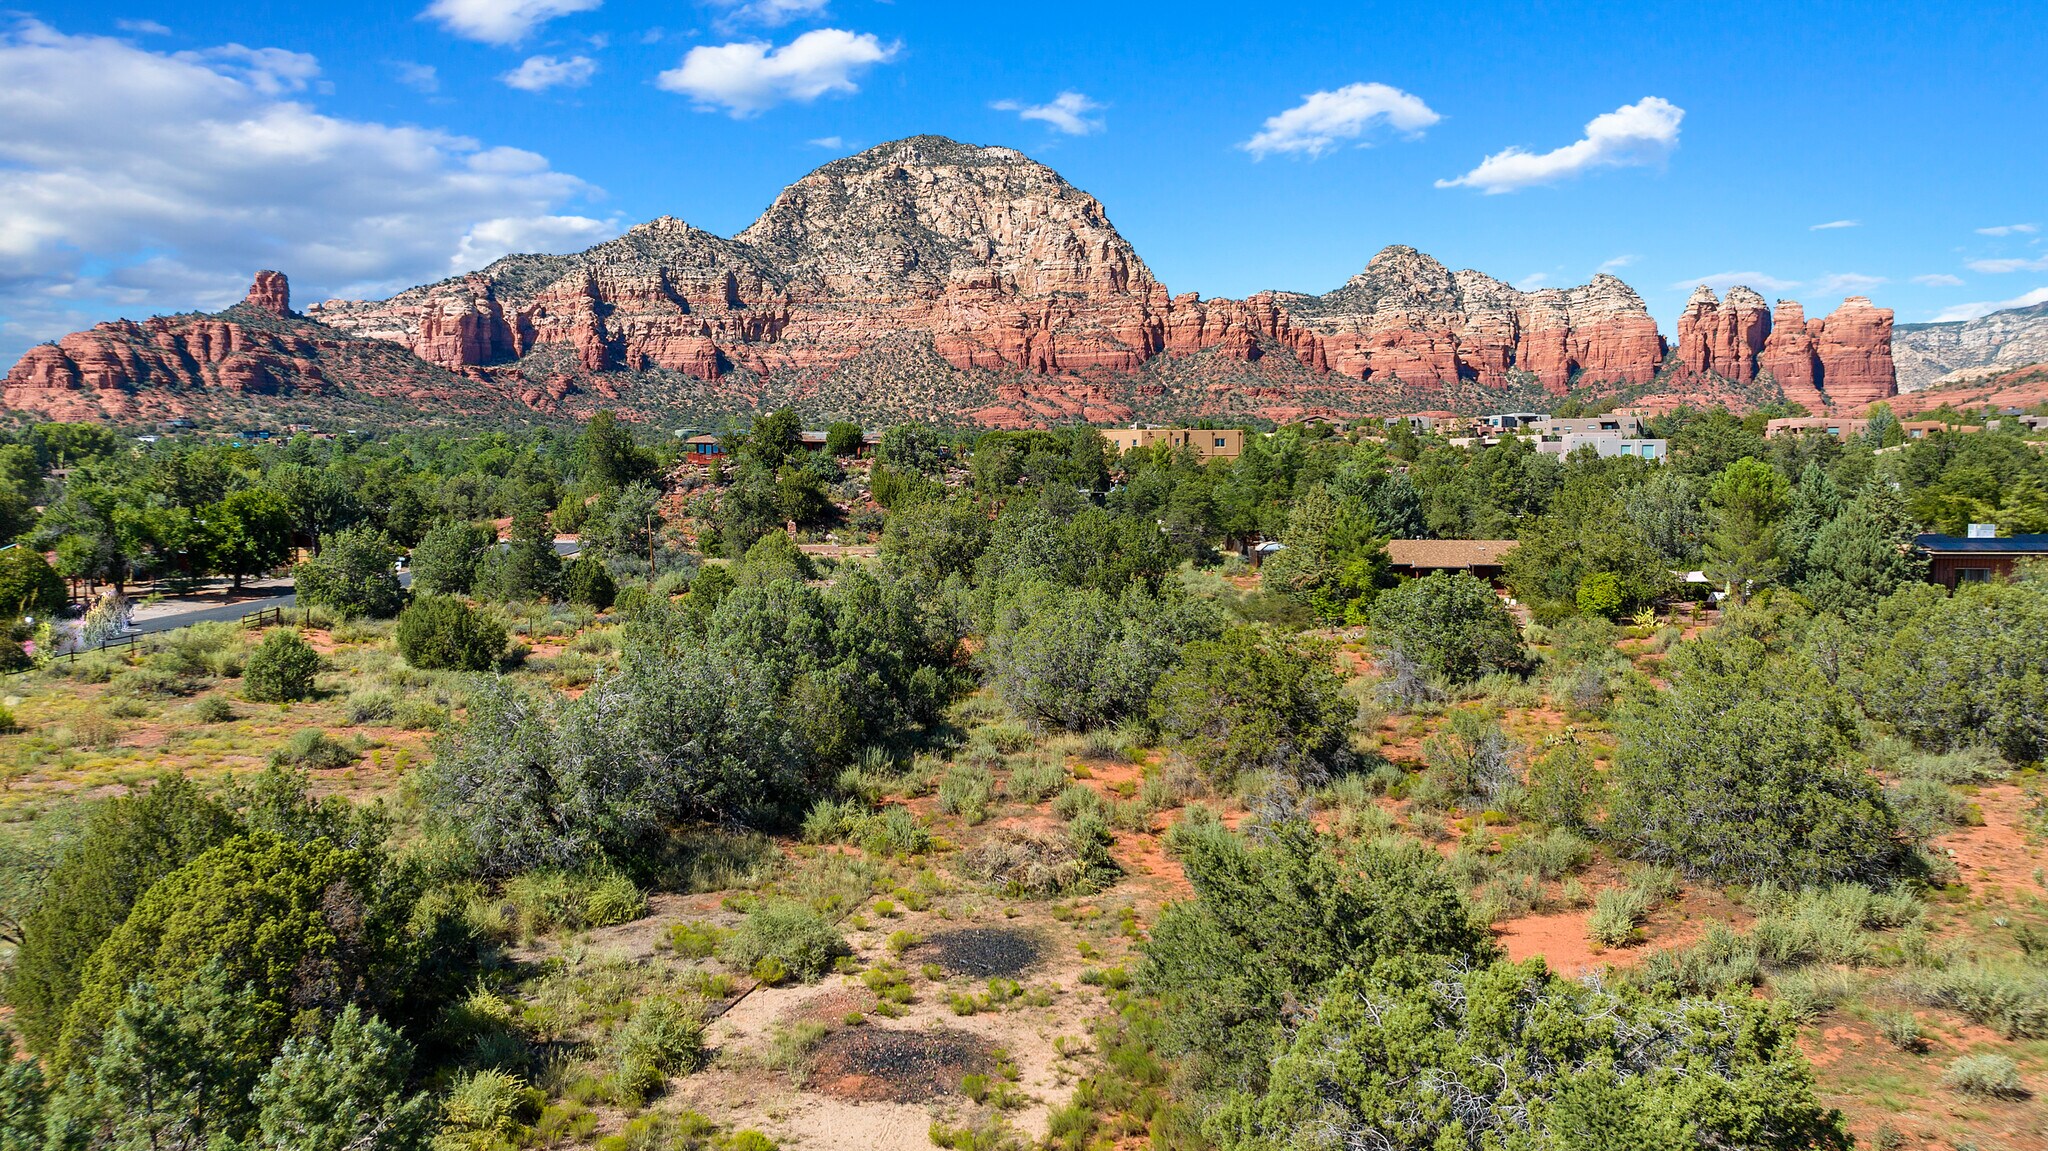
point(153, 153)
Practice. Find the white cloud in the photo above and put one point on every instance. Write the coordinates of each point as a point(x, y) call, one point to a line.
point(539, 73)
point(1635, 134)
point(1722, 281)
point(419, 77)
point(142, 27)
point(1532, 281)
point(832, 142)
point(145, 182)
point(1848, 282)
point(501, 21)
point(769, 13)
point(489, 239)
point(2010, 230)
point(748, 77)
point(2000, 267)
point(1324, 118)
point(1973, 311)
point(1068, 113)
point(1833, 224)
point(1619, 262)
point(1939, 280)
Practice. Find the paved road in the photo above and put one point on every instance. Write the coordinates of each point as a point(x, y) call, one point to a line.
point(229, 613)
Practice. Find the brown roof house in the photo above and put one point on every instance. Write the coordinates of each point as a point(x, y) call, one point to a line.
point(1480, 558)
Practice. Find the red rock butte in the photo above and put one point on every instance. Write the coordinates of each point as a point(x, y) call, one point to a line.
point(992, 263)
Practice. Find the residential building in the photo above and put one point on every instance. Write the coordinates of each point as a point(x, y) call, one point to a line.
point(1606, 445)
point(1209, 443)
point(1614, 424)
point(702, 449)
point(1509, 421)
point(1921, 429)
point(1979, 557)
point(1482, 559)
point(1814, 425)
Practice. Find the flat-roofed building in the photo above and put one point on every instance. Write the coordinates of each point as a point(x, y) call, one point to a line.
point(1815, 426)
point(1606, 445)
point(1209, 443)
point(1615, 424)
point(1979, 557)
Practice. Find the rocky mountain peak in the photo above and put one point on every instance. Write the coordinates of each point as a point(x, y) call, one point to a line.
point(911, 216)
point(271, 293)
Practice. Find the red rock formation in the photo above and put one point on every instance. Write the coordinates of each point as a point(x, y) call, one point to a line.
point(1854, 344)
point(992, 263)
point(1789, 357)
point(270, 293)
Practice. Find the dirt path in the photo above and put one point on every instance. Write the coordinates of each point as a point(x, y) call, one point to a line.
point(1996, 855)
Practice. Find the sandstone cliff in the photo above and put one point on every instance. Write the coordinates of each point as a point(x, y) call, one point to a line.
point(926, 275)
point(255, 356)
point(1005, 266)
point(1843, 360)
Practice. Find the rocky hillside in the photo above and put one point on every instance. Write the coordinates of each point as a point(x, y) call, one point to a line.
point(253, 363)
point(1932, 354)
point(971, 283)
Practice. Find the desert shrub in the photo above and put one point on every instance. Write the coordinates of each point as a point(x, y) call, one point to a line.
point(1565, 787)
point(1472, 762)
point(365, 707)
point(444, 633)
point(2013, 1001)
point(1451, 625)
point(1957, 671)
point(801, 941)
point(1035, 778)
point(663, 1037)
point(1747, 770)
point(419, 715)
point(586, 581)
point(1276, 920)
point(613, 900)
point(1249, 702)
point(967, 793)
point(310, 749)
point(1022, 861)
point(1994, 1076)
point(1617, 911)
point(489, 1106)
point(213, 709)
point(281, 669)
point(1901, 1029)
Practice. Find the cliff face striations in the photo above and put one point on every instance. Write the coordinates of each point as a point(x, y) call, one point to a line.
point(877, 275)
point(1844, 360)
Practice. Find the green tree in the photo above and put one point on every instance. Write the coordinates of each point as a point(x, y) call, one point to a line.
point(24, 1098)
point(844, 439)
point(587, 581)
point(1510, 1055)
point(171, 1071)
point(352, 575)
point(775, 439)
point(304, 925)
point(281, 669)
point(911, 447)
point(1951, 671)
point(342, 1091)
point(773, 559)
point(1746, 500)
point(29, 586)
point(126, 846)
point(527, 568)
point(1747, 771)
point(445, 561)
point(1450, 624)
point(1247, 701)
point(249, 532)
point(1273, 922)
point(1334, 559)
point(1864, 554)
point(606, 457)
point(445, 633)
point(1080, 659)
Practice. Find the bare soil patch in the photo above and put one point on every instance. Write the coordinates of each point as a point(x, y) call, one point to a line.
point(984, 952)
point(879, 1064)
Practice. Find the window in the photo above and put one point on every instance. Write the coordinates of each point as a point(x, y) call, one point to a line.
point(1219, 441)
point(1973, 575)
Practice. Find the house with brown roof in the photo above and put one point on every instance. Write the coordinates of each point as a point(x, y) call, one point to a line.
point(1482, 559)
